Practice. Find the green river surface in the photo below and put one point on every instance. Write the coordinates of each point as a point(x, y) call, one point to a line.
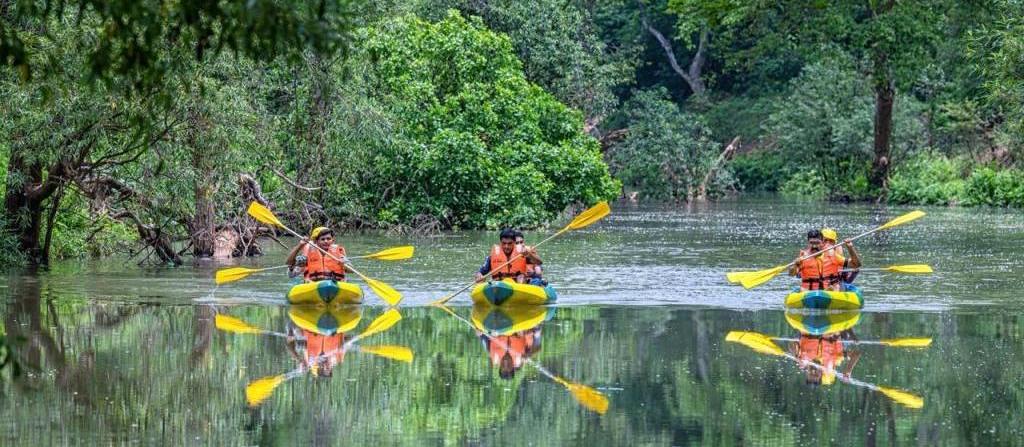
point(103, 352)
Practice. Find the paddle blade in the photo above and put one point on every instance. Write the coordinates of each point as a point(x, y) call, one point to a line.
point(902, 397)
point(392, 254)
point(910, 268)
point(909, 217)
point(382, 323)
point(263, 214)
point(260, 389)
point(232, 274)
point(736, 277)
point(400, 353)
point(232, 324)
point(757, 278)
point(384, 291)
point(756, 341)
point(591, 215)
point(590, 398)
point(908, 342)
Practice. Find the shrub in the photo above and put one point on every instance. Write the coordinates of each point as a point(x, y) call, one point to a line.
point(804, 185)
point(928, 179)
point(987, 186)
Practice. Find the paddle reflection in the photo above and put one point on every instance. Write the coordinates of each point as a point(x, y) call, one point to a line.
point(511, 336)
point(317, 338)
point(826, 349)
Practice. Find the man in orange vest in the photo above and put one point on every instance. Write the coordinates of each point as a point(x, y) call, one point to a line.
point(822, 272)
point(320, 266)
point(509, 352)
point(505, 261)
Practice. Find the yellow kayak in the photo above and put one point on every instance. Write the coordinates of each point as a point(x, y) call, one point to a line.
point(511, 293)
point(823, 323)
point(325, 292)
point(506, 320)
point(849, 299)
point(326, 320)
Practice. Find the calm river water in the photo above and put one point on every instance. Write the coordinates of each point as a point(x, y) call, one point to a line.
point(105, 352)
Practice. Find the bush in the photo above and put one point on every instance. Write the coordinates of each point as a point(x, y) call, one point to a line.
point(928, 179)
point(804, 185)
point(987, 186)
point(761, 171)
point(667, 152)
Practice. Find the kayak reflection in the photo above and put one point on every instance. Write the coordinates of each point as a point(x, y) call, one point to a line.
point(510, 335)
point(316, 339)
point(509, 330)
point(827, 349)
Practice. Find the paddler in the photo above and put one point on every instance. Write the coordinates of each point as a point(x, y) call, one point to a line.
point(497, 263)
point(509, 352)
point(534, 271)
point(321, 352)
point(826, 351)
point(822, 272)
point(318, 265)
point(829, 236)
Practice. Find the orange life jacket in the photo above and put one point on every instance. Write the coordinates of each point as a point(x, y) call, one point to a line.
point(532, 270)
point(329, 346)
point(828, 352)
point(512, 270)
point(516, 345)
point(819, 272)
point(320, 266)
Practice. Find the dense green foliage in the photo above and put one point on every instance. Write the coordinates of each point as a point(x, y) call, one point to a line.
point(137, 119)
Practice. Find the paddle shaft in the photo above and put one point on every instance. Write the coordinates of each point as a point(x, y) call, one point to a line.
point(834, 246)
point(845, 342)
point(347, 264)
point(842, 377)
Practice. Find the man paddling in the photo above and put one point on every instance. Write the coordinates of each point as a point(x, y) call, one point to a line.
point(509, 352)
point(822, 271)
point(320, 266)
point(505, 261)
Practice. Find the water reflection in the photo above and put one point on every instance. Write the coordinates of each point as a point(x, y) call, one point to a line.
point(315, 337)
point(826, 348)
point(511, 335)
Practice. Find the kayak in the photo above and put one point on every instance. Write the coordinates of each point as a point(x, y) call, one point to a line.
point(326, 291)
point(325, 320)
point(511, 293)
point(819, 323)
point(507, 320)
point(826, 299)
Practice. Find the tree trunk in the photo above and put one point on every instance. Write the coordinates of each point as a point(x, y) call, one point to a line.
point(885, 96)
point(201, 227)
point(23, 210)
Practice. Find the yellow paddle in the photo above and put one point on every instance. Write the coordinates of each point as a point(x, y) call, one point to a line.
point(260, 389)
point(391, 254)
point(228, 323)
point(749, 280)
point(383, 290)
point(763, 344)
point(590, 398)
point(582, 220)
point(907, 268)
point(922, 342)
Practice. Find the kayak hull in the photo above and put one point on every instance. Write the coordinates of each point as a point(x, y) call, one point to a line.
point(819, 323)
point(326, 320)
point(510, 293)
point(849, 299)
point(325, 292)
point(507, 320)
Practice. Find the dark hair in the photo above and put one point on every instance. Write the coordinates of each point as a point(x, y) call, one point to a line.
point(507, 233)
point(327, 232)
point(814, 234)
point(519, 234)
point(506, 367)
